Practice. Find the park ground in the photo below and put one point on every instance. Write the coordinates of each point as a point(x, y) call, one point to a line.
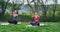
point(50, 27)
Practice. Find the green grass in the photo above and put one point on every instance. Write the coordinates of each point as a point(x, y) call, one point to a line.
point(50, 27)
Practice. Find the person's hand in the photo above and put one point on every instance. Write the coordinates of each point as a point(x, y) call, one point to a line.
point(32, 16)
point(10, 14)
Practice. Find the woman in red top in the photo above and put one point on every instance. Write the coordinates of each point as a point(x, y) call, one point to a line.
point(36, 18)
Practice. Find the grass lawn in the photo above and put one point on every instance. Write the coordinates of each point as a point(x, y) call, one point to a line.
point(50, 27)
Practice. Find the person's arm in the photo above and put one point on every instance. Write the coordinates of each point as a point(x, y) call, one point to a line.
point(11, 14)
point(32, 16)
point(38, 16)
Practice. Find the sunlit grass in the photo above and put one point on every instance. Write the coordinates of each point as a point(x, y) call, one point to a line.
point(50, 27)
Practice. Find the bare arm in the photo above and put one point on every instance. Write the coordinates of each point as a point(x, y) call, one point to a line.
point(38, 16)
point(32, 16)
point(11, 14)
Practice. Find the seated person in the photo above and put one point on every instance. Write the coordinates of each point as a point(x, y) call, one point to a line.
point(36, 19)
point(12, 21)
point(15, 15)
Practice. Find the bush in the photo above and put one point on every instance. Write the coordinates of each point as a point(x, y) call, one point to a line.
point(25, 17)
point(42, 19)
point(5, 17)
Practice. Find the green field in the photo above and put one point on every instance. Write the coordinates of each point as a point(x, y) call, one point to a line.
point(50, 27)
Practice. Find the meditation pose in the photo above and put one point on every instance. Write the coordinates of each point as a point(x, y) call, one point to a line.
point(36, 19)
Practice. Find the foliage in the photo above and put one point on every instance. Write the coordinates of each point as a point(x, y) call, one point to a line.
point(5, 17)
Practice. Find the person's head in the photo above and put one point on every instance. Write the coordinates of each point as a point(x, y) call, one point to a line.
point(16, 11)
point(36, 13)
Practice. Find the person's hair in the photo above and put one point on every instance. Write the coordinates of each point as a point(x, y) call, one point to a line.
point(35, 12)
point(17, 12)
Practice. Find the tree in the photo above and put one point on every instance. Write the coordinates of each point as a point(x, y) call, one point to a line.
point(15, 5)
point(3, 8)
point(45, 8)
point(30, 5)
point(35, 5)
point(54, 8)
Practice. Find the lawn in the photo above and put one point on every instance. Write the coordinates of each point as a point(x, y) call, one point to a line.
point(50, 27)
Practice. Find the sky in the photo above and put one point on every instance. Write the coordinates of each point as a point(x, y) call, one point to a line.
point(49, 2)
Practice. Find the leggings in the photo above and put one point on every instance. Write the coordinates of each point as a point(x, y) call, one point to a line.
point(35, 23)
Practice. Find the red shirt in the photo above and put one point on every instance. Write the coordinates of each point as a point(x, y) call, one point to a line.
point(36, 18)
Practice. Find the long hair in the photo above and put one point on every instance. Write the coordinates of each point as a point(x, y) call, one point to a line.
point(17, 12)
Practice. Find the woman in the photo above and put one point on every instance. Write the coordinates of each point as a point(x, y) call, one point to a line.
point(36, 19)
point(15, 15)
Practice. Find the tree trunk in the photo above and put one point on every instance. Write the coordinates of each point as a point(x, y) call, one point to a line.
point(4, 6)
point(44, 7)
point(54, 8)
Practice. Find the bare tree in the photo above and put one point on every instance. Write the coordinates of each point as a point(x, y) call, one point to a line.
point(37, 4)
point(16, 5)
point(43, 4)
point(54, 7)
point(29, 5)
